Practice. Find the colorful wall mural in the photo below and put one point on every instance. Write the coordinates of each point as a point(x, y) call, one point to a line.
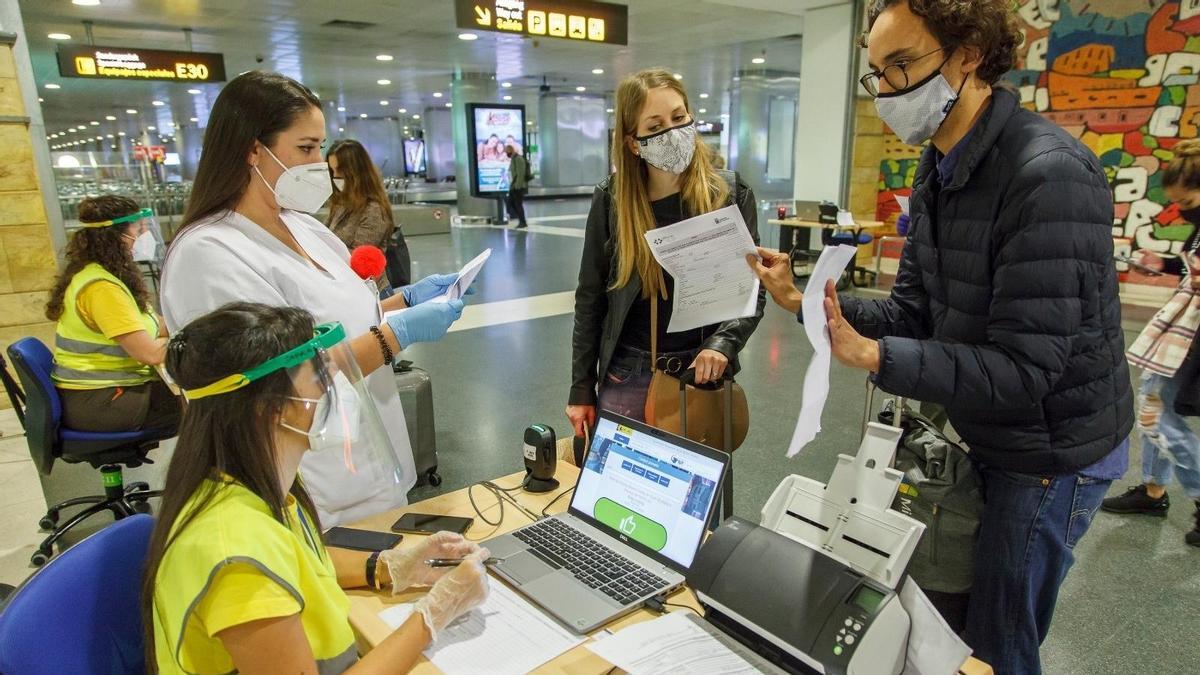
point(1123, 76)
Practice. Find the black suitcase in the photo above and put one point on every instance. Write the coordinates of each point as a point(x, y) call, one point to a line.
point(416, 396)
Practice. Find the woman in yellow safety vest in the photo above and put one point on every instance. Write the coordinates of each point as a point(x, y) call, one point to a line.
point(108, 338)
point(237, 577)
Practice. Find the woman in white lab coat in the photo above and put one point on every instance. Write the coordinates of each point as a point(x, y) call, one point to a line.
point(247, 236)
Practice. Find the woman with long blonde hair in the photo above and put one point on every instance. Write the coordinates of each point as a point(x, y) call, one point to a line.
point(664, 174)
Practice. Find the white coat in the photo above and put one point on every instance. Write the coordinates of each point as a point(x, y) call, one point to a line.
point(228, 258)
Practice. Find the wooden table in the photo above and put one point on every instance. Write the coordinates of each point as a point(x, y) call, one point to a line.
point(365, 605)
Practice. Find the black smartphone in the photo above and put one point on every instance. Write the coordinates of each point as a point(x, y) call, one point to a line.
point(428, 523)
point(361, 540)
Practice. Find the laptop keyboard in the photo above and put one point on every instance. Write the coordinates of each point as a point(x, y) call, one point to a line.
point(592, 563)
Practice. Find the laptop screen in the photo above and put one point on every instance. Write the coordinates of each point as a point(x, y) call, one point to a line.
point(650, 488)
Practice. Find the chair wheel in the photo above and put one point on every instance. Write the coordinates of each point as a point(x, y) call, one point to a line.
point(433, 478)
point(41, 557)
point(48, 522)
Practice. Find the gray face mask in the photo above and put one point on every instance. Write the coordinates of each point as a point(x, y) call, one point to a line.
point(916, 113)
point(671, 150)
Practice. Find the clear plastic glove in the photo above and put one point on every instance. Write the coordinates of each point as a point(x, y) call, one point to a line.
point(460, 591)
point(424, 323)
point(407, 566)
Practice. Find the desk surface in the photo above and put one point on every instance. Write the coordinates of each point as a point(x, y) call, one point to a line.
point(814, 225)
point(365, 605)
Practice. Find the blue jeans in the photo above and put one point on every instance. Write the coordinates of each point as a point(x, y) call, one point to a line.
point(1168, 444)
point(624, 387)
point(1027, 536)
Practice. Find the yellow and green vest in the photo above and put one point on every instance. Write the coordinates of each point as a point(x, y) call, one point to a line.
point(83, 358)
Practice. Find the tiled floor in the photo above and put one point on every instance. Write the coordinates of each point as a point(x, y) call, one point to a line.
point(1129, 606)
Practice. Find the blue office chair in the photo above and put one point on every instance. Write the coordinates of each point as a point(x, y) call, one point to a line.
point(82, 612)
point(40, 411)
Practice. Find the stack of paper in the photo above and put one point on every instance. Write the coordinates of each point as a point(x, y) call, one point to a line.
point(675, 643)
point(504, 635)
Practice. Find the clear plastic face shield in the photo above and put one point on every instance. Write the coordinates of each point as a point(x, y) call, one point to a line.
point(330, 403)
point(143, 230)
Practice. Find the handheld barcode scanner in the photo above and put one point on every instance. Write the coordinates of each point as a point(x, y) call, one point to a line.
point(541, 457)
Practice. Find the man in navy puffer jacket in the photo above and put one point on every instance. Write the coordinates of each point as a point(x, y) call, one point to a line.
point(1005, 308)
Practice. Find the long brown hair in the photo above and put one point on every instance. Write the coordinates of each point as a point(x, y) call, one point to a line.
point(229, 433)
point(702, 188)
point(363, 186)
point(254, 106)
point(104, 246)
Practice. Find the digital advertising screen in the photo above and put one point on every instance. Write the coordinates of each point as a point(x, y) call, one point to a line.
point(414, 156)
point(491, 128)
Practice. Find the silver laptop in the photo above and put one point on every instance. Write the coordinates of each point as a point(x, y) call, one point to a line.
point(808, 210)
point(637, 517)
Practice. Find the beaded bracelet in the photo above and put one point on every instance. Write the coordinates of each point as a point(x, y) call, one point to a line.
point(388, 356)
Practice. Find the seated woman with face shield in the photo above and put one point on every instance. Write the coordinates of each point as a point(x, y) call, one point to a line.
point(237, 577)
point(108, 339)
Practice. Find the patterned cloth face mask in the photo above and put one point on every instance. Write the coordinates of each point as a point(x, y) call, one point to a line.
point(670, 150)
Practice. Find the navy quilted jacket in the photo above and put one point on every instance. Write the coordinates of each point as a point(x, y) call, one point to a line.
point(1005, 308)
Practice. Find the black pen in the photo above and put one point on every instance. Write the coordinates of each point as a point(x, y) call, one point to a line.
point(454, 562)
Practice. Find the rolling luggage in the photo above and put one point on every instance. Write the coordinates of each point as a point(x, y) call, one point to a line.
point(416, 396)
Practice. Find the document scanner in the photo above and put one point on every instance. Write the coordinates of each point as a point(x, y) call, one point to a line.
point(814, 587)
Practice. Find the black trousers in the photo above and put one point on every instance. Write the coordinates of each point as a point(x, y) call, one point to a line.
point(114, 409)
point(516, 205)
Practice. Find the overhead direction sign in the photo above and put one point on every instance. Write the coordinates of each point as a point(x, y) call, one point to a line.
point(580, 20)
point(131, 63)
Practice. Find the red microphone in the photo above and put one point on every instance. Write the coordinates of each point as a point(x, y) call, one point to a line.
point(368, 262)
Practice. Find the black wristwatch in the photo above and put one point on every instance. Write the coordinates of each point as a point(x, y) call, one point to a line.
point(372, 564)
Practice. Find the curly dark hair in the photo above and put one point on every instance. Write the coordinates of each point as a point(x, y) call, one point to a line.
point(987, 25)
point(103, 245)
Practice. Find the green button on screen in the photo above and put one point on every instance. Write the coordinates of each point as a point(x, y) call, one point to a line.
point(630, 523)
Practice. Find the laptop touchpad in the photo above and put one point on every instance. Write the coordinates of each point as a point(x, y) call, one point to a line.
point(525, 567)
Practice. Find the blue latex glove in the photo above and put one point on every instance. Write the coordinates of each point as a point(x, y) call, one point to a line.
point(427, 322)
point(429, 288)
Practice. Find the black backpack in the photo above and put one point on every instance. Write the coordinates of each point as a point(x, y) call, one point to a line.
point(528, 170)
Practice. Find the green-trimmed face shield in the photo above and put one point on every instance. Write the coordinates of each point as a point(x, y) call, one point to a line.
point(148, 242)
point(331, 405)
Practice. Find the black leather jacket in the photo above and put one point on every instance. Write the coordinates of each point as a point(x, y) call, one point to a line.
point(600, 311)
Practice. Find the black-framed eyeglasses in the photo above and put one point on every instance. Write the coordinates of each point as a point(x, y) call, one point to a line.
point(896, 75)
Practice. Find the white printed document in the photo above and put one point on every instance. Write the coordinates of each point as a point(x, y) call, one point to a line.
point(706, 255)
point(829, 266)
point(466, 276)
point(506, 634)
point(675, 643)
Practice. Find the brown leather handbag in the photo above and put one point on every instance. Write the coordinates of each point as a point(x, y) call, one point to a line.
point(702, 413)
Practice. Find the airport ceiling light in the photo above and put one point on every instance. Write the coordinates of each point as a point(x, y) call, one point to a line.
point(507, 98)
point(383, 83)
point(468, 37)
point(385, 103)
point(506, 85)
point(416, 117)
point(384, 57)
point(85, 3)
point(111, 118)
point(402, 110)
point(194, 92)
point(597, 71)
point(341, 108)
point(51, 85)
point(437, 94)
point(157, 104)
point(581, 89)
point(703, 95)
point(758, 60)
point(362, 116)
point(59, 36)
point(678, 76)
point(131, 111)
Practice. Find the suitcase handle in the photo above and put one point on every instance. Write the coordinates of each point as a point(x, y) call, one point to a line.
point(688, 378)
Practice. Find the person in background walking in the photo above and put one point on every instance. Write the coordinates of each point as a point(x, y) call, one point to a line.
point(518, 184)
